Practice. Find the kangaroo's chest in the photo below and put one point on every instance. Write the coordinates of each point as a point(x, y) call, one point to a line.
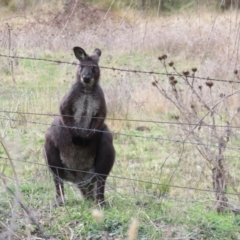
point(84, 108)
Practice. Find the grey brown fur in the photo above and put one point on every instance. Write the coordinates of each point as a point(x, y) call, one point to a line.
point(79, 139)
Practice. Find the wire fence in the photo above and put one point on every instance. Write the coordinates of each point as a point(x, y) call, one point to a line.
point(119, 177)
point(121, 119)
point(166, 171)
point(123, 134)
point(121, 69)
point(117, 119)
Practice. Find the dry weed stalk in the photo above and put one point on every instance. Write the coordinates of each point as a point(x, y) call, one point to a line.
point(17, 195)
point(195, 104)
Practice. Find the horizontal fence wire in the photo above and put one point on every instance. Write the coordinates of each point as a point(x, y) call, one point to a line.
point(124, 134)
point(120, 177)
point(200, 123)
point(232, 206)
point(121, 69)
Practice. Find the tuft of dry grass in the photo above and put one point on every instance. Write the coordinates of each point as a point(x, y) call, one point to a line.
point(133, 230)
point(97, 215)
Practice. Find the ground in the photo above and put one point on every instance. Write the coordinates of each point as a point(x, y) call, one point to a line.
point(164, 185)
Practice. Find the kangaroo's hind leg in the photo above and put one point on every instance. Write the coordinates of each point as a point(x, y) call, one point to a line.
point(103, 163)
point(54, 162)
point(87, 189)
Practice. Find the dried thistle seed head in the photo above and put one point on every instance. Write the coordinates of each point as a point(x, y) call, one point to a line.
point(236, 71)
point(176, 117)
point(172, 80)
point(192, 105)
point(171, 63)
point(194, 69)
point(209, 83)
point(186, 73)
point(200, 87)
point(160, 58)
point(164, 56)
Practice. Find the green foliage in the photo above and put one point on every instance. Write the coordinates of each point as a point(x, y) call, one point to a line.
point(213, 225)
point(114, 5)
point(177, 4)
point(5, 2)
point(162, 5)
point(14, 5)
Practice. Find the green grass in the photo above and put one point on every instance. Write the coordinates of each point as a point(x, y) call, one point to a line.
point(163, 211)
point(213, 225)
point(157, 217)
point(142, 184)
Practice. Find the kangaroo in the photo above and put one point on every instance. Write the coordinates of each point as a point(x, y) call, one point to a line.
point(78, 145)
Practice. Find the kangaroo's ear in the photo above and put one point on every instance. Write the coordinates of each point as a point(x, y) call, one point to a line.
point(80, 54)
point(97, 51)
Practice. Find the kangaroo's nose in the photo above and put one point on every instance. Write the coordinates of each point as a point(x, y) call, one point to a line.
point(86, 79)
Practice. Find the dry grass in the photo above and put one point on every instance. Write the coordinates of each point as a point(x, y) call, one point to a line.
point(206, 40)
point(133, 229)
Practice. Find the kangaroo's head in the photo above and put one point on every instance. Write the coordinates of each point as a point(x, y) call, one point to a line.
point(88, 72)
